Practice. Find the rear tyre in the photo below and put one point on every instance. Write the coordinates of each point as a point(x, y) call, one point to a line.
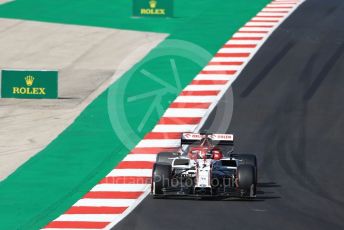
point(161, 178)
point(166, 157)
point(246, 180)
point(248, 159)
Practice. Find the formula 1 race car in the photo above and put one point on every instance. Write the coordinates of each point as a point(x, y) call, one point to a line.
point(202, 168)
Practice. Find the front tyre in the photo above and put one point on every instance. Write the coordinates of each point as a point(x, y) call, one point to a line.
point(161, 178)
point(248, 159)
point(247, 180)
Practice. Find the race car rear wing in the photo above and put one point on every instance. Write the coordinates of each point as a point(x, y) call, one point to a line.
point(222, 139)
point(218, 139)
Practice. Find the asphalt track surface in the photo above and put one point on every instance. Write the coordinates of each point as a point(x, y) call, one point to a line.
point(288, 110)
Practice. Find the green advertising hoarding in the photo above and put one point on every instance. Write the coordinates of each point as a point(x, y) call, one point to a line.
point(34, 84)
point(152, 8)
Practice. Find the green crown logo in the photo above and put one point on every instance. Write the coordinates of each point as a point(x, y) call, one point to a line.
point(29, 80)
point(153, 3)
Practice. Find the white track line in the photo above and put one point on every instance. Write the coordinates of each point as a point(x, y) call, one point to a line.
point(174, 128)
point(260, 23)
point(140, 157)
point(195, 99)
point(118, 188)
point(222, 67)
point(185, 112)
point(275, 9)
point(239, 50)
point(271, 14)
point(238, 34)
point(88, 217)
point(203, 88)
point(255, 29)
point(105, 202)
point(229, 59)
point(159, 143)
point(262, 18)
point(131, 172)
point(213, 76)
point(241, 42)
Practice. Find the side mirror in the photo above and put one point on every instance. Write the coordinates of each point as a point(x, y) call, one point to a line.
point(230, 151)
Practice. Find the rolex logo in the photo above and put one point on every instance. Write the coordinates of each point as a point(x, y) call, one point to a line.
point(29, 80)
point(153, 3)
